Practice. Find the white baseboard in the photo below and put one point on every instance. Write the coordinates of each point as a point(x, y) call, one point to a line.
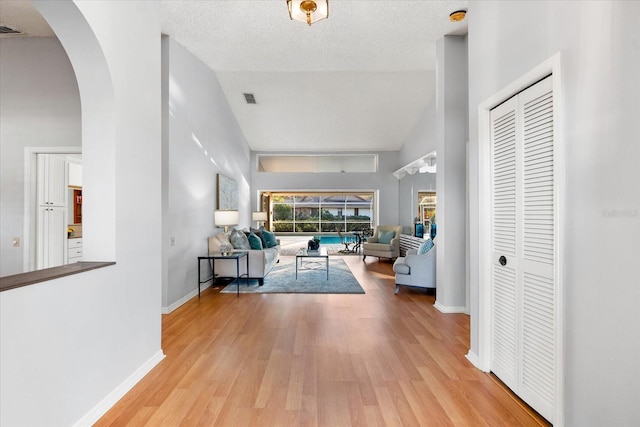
point(447, 309)
point(184, 299)
point(112, 398)
point(473, 358)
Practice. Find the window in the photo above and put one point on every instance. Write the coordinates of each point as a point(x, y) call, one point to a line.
point(427, 207)
point(313, 163)
point(321, 212)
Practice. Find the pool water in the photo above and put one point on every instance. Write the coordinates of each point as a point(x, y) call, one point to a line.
point(334, 240)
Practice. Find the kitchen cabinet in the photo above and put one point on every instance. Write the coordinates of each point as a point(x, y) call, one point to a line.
point(74, 250)
point(52, 196)
point(75, 175)
point(52, 178)
point(52, 236)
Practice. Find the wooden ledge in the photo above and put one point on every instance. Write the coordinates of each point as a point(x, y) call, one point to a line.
point(25, 279)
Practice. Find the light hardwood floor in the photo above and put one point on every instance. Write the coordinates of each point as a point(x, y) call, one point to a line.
point(377, 359)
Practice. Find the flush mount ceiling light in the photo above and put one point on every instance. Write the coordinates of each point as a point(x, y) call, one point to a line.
point(308, 11)
point(457, 16)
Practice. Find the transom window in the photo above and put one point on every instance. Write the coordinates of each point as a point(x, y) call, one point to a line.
point(318, 163)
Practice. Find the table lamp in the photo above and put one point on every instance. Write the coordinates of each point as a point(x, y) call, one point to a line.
point(259, 217)
point(226, 218)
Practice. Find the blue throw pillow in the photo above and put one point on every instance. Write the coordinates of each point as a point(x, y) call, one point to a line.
point(386, 236)
point(269, 239)
point(255, 241)
point(425, 247)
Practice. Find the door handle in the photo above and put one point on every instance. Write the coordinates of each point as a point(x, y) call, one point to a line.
point(502, 260)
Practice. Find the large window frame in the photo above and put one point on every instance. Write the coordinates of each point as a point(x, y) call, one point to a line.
point(321, 212)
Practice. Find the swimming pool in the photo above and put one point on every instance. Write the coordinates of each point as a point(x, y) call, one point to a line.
point(335, 240)
point(329, 240)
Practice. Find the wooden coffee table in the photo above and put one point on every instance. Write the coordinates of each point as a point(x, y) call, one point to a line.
point(312, 265)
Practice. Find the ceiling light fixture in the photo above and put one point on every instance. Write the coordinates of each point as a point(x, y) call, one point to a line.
point(457, 16)
point(308, 11)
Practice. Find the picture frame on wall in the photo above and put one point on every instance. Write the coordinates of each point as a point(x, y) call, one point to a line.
point(227, 197)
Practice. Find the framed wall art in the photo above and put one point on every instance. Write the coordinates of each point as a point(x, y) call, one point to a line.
point(227, 193)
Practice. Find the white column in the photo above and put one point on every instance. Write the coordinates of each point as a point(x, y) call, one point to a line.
point(451, 140)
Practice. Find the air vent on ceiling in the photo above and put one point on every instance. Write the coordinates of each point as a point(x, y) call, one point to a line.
point(8, 30)
point(249, 98)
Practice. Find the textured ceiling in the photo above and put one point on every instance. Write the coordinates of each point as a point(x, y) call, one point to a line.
point(358, 81)
point(22, 16)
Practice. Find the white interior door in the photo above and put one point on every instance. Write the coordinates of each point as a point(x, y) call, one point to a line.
point(524, 311)
point(505, 236)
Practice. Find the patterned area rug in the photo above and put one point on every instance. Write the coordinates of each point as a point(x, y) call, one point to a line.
point(282, 279)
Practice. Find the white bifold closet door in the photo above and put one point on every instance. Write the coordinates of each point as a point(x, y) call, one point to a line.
point(523, 241)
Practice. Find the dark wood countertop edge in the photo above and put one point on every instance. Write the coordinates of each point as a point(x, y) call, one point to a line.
point(32, 277)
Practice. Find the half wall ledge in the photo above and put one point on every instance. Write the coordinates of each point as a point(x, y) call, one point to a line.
point(32, 277)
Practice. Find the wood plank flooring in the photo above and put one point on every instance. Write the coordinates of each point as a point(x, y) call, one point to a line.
point(377, 359)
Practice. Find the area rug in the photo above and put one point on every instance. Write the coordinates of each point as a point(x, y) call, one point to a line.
point(282, 279)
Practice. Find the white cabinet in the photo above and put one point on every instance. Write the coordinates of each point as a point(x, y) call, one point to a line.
point(74, 250)
point(51, 176)
point(75, 174)
point(52, 236)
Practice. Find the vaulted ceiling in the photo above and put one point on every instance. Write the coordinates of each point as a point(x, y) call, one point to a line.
point(358, 81)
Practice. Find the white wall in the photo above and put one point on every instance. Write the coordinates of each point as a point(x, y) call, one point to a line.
point(422, 140)
point(383, 181)
point(39, 107)
point(204, 140)
point(74, 345)
point(600, 210)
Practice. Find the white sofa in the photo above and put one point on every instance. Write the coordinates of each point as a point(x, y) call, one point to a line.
point(416, 270)
point(260, 261)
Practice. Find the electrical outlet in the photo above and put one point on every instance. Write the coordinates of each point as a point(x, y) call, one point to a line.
point(16, 242)
point(173, 241)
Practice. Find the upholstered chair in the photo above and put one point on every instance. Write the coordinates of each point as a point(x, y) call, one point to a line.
point(384, 243)
point(417, 268)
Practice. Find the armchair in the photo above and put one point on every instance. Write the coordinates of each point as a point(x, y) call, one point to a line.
point(375, 246)
point(415, 269)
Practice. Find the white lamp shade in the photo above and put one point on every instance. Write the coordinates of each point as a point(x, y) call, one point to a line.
point(259, 216)
point(226, 218)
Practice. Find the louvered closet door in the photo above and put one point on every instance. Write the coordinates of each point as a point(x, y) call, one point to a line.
point(505, 236)
point(523, 200)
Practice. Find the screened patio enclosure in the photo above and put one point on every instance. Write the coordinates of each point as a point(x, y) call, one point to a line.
point(321, 212)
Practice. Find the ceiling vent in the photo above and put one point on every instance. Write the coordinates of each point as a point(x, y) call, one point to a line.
point(4, 30)
point(249, 98)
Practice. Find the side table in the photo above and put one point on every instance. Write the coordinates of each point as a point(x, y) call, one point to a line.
point(218, 255)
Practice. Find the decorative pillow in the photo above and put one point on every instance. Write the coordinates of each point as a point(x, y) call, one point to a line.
point(255, 241)
point(239, 240)
point(269, 239)
point(386, 236)
point(425, 247)
point(257, 232)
